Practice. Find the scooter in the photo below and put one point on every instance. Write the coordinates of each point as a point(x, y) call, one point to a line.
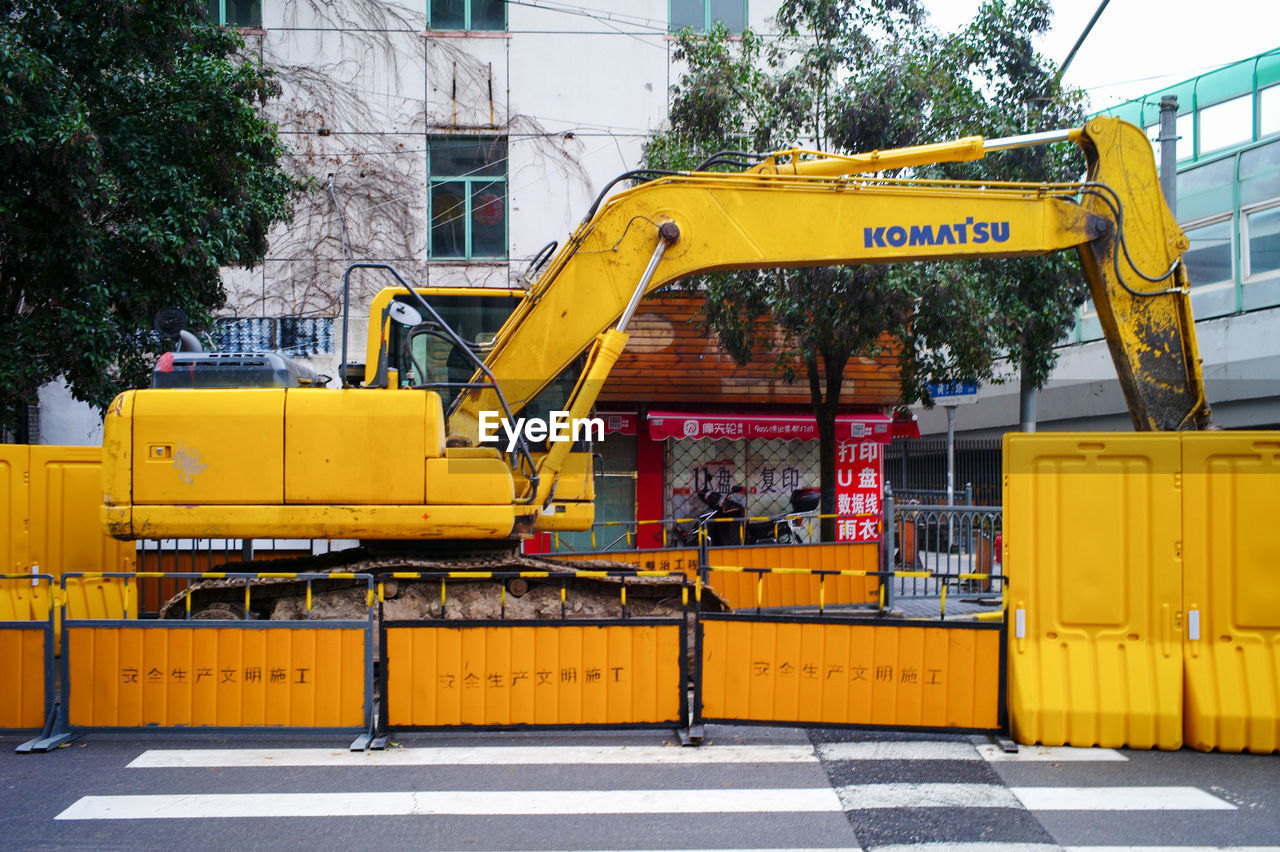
point(724, 524)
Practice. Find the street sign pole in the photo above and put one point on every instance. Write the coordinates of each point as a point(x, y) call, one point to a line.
point(951, 455)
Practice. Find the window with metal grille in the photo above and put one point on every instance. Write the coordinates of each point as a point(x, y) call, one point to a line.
point(468, 14)
point(235, 13)
point(702, 14)
point(292, 336)
point(468, 193)
point(766, 471)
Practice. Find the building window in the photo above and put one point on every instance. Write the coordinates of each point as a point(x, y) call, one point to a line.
point(1262, 241)
point(468, 197)
point(1226, 124)
point(1184, 129)
point(1268, 111)
point(488, 15)
point(236, 13)
point(701, 14)
point(1208, 259)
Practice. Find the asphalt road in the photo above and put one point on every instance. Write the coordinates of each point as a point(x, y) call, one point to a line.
point(745, 788)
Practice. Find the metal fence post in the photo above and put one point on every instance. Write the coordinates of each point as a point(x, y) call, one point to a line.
point(968, 493)
point(889, 538)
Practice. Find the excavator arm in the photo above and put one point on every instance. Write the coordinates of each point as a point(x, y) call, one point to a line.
point(821, 211)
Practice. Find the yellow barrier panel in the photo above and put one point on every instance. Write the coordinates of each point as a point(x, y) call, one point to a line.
point(26, 655)
point(23, 676)
point(837, 672)
point(681, 560)
point(533, 674)
point(1231, 590)
point(14, 460)
point(65, 500)
point(168, 674)
point(786, 589)
point(1092, 532)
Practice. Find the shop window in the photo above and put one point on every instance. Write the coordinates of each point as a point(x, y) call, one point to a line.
point(702, 14)
point(1269, 111)
point(488, 15)
point(765, 471)
point(236, 13)
point(1226, 124)
point(468, 197)
point(1262, 243)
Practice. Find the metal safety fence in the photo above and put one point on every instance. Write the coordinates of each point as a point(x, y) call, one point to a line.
point(567, 649)
point(26, 653)
point(198, 667)
point(934, 550)
point(677, 532)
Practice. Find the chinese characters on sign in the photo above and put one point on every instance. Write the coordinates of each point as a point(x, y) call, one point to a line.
point(859, 487)
point(205, 674)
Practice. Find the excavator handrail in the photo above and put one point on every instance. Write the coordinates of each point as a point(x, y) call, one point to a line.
point(522, 445)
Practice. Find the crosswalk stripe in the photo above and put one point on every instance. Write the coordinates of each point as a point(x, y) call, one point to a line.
point(1048, 754)
point(903, 750)
point(967, 847)
point(864, 796)
point(867, 796)
point(474, 756)
point(460, 803)
point(1170, 848)
point(1119, 799)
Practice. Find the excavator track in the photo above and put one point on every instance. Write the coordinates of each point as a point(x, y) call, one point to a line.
point(471, 598)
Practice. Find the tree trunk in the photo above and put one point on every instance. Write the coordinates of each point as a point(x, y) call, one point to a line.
point(825, 407)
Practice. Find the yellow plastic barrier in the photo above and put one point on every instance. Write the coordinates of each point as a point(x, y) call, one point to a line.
point(168, 674)
point(1092, 532)
point(215, 673)
point(65, 500)
point(829, 672)
point(26, 655)
point(629, 673)
point(679, 560)
point(784, 588)
point(1231, 590)
point(14, 462)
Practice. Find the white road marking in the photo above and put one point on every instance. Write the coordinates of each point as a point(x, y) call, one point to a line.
point(1048, 754)
point(462, 803)
point(1119, 799)
point(888, 750)
point(864, 796)
point(945, 846)
point(477, 756)
point(1170, 848)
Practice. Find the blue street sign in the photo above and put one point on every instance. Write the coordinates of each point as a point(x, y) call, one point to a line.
point(953, 393)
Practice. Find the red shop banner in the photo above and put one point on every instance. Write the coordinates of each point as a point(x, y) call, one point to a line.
point(859, 490)
point(753, 427)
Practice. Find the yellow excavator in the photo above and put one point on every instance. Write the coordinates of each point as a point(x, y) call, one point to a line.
point(383, 462)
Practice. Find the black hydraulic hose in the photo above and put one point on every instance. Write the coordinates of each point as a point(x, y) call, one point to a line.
point(647, 174)
point(540, 259)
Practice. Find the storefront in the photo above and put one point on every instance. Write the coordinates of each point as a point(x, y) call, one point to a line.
point(684, 420)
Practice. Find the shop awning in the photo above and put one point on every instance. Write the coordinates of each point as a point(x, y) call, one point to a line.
point(788, 427)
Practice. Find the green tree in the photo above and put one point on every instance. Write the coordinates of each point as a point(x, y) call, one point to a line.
point(133, 165)
point(854, 76)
